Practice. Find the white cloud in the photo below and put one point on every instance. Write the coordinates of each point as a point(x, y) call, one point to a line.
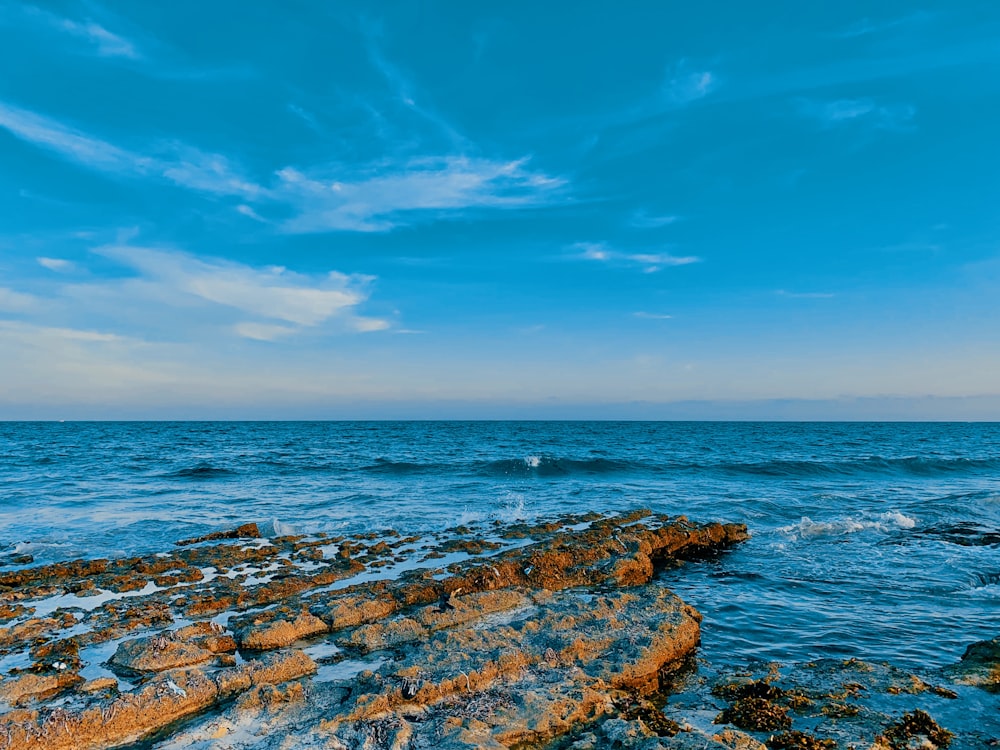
point(804, 295)
point(649, 262)
point(367, 325)
point(263, 331)
point(594, 251)
point(383, 198)
point(69, 142)
point(108, 44)
point(377, 198)
point(686, 84)
point(841, 111)
point(179, 164)
point(642, 220)
point(250, 213)
point(11, 301)
point(652, 316)
point(56, 264)
point(271, 293)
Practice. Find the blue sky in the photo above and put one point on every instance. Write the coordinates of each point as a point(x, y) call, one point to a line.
point(313, 209)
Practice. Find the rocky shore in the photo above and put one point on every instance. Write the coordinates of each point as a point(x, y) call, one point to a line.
point(553, 634)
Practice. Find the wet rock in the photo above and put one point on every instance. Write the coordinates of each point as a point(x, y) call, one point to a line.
point(207, 635)
point(754, 706)
point(99, 684)
point(246, 531)
point(13, 611)
point(796, 740)
point(557, 666)
point(162, 701)
point(158, 653)
point(421, 624)
point(525, 645)
point(18, 689)
point(980, 666)
point(275, 629)
point(915, 728)
point(736, 740)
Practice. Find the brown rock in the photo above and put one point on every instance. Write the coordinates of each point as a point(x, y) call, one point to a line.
point(980, 666)
point(246, 531)
point(158, 653)
point(262, 633)
point(27, 686)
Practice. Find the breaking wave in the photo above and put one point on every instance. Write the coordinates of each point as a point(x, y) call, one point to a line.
point(806, 528)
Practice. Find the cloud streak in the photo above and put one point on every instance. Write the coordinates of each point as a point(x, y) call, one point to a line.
point(378, 200)
point(281, 301)
point(107, 44)
point(839, 112)
point(375, 198)
point(686, 84)
point(56, 264)
point(648, 262)
point(181, 165)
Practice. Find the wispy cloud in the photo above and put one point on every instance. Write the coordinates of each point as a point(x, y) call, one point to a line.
point(804, 295)
point(178, 164)
point(652, 316)
point(69, 142)
point(108, 44)
point(686, 83)
point(332, 198)
point(643, 220)
point(17, 302)
point(648, 262)
point(272, 294)
point(378, 200)
point(405, 92)
point(248, 211)
point(263, 331)
point(842, 111)
point(867, 26)
point(98, 38)
point(56, 264)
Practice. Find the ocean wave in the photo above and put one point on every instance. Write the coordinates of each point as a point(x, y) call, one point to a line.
point(556, 466)
point(201, 470)
point(405, 468)
point(806, 528)
point(872, 465)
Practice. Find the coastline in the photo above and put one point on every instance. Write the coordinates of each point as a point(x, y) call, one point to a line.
point(492, 635)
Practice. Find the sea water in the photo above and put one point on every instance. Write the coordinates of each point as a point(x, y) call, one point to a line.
point(876, 541)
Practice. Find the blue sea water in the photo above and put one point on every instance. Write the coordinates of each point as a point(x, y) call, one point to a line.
point(877, 541)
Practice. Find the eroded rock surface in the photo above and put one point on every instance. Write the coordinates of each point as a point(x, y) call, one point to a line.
point(481, 637)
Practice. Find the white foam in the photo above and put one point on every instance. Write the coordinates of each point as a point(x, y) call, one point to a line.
point(279, 528)
point(533, 462)
point(806, 528)
point(897, 518)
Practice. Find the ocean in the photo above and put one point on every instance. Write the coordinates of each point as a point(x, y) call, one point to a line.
point(879, 541)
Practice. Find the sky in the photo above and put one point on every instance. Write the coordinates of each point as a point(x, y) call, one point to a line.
point(305, 209)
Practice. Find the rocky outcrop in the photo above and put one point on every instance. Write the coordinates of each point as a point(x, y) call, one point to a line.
point(980, 666)
point(162, 701)
point(513, 642)
point(158, 654)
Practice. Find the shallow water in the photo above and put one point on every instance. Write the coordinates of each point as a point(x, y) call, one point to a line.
point(877, 541)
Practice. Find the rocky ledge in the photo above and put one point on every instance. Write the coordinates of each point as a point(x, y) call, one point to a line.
point(494, 636)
